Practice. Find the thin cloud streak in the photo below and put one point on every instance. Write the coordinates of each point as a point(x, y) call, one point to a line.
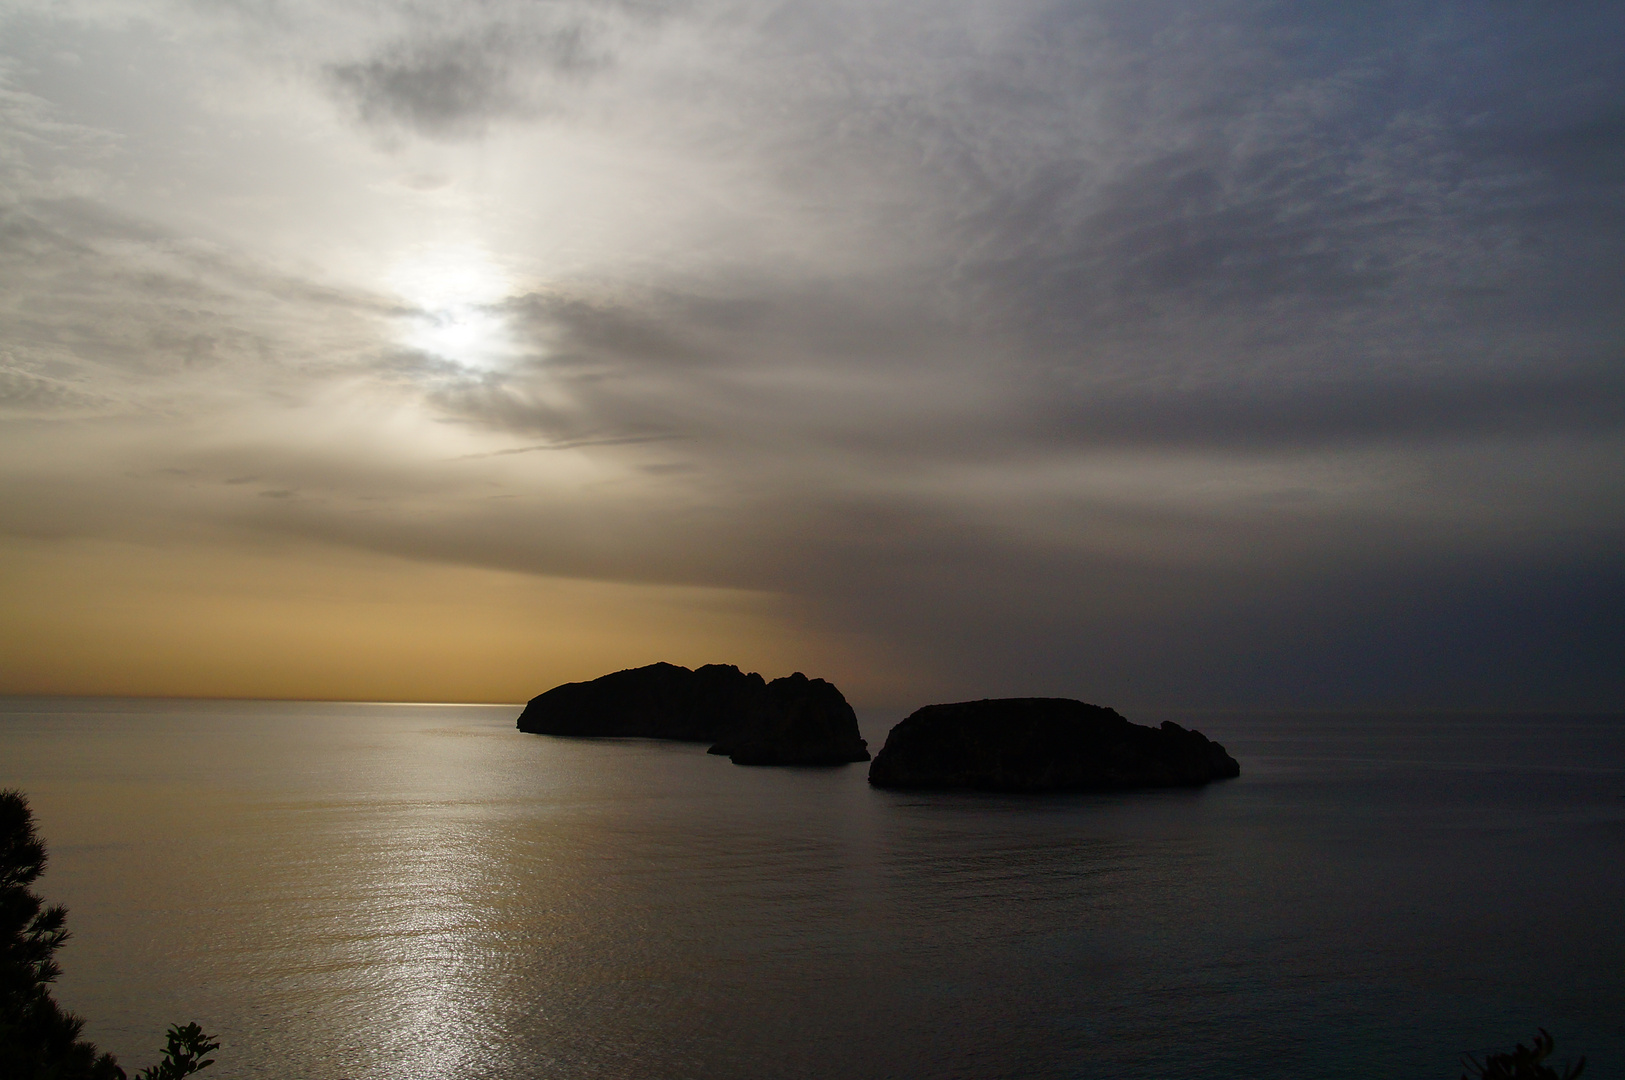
point(628, 441)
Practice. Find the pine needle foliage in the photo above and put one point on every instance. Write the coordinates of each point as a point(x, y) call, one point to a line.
point(39, 1040)
point(1521, 1063)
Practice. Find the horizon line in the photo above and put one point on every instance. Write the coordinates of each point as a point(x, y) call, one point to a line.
point(1228, 710)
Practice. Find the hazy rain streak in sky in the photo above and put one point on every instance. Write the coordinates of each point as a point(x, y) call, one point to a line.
point(1153, 354)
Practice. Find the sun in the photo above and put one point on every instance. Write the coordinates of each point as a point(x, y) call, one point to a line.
point(453, 295)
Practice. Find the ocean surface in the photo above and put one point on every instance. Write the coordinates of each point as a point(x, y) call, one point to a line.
point(382, 891)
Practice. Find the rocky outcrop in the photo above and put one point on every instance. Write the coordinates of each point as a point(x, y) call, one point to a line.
point(790, 721)
point(1042, 744)
point(807, 722)
point(661, 701)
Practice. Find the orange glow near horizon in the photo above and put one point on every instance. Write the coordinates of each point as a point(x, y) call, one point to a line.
point(105, 618)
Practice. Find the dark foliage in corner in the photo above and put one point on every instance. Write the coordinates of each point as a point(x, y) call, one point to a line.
point(39, 1040)
point(1521, 1063)
point(187, 1045)
point(37, 1037)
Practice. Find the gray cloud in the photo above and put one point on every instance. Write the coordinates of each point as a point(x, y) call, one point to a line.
point(451, 87)
point(448, 73)
point(30, 393)
point(116, 312)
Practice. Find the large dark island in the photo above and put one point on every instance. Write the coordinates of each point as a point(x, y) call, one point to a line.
point(790, 721)
point(1042, 744)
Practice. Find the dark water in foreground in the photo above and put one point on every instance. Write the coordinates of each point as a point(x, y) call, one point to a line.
point(421, 891)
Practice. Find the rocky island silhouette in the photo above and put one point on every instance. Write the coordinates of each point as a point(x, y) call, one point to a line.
point(1042, 744)
point(1008, 744)
point(790, 721)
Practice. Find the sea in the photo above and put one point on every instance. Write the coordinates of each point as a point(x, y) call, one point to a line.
point(356, 891)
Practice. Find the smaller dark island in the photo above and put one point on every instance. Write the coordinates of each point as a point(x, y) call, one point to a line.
point(790, 721)
point(1042, 744)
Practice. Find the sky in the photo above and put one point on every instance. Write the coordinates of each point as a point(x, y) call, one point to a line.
point(1163, 355)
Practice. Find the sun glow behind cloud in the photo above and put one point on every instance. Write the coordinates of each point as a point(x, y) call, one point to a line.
point(452, 293)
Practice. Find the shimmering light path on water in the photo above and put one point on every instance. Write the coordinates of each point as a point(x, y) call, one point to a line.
point(422, 891)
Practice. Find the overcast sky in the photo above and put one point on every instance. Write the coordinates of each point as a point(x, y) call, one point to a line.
point(1158, 354)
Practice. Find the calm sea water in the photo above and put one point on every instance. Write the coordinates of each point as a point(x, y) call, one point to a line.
point(390, 891)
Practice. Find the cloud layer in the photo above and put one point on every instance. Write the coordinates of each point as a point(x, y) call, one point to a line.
point(1249, 354)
